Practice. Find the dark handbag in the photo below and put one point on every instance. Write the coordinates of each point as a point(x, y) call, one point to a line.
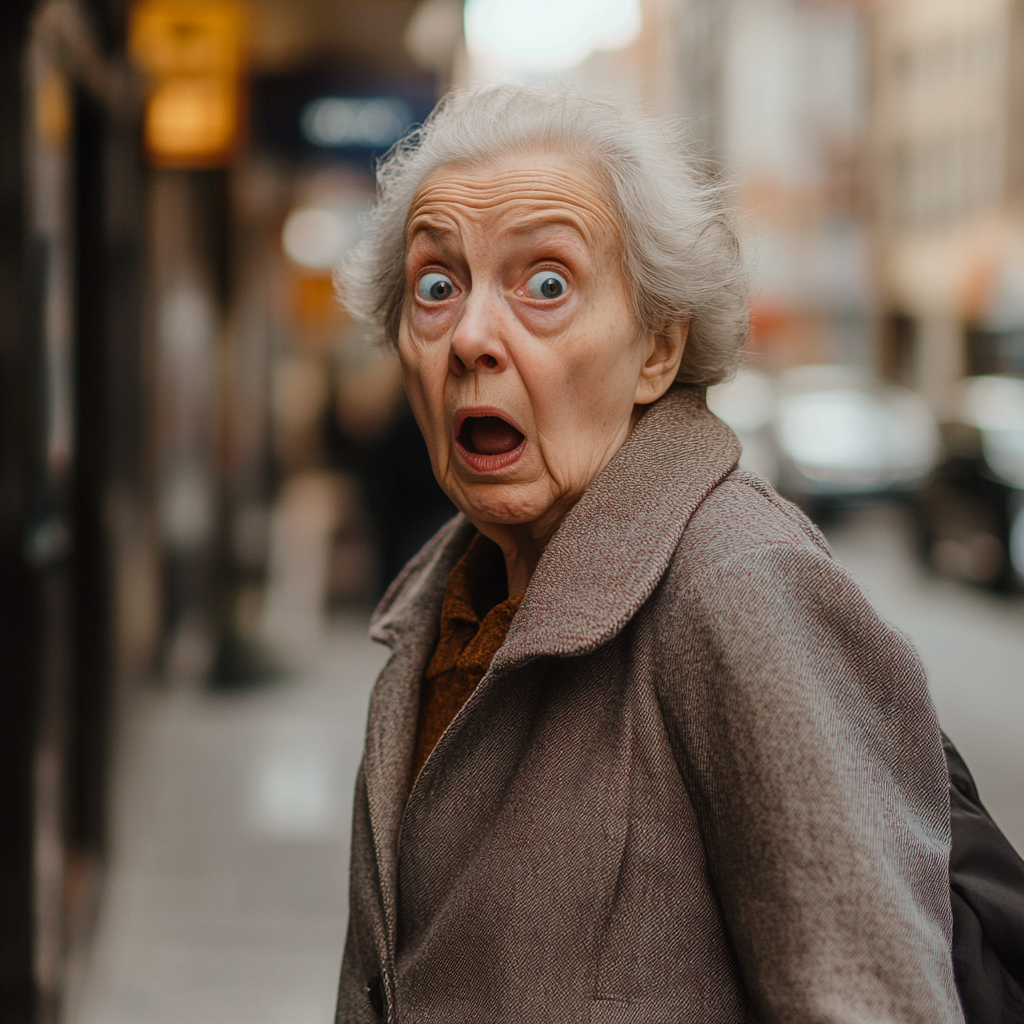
point(986, 877)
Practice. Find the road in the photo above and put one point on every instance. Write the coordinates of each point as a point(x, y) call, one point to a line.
point(226, 896)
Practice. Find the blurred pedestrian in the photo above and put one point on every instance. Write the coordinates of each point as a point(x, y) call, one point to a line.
point(380, 442)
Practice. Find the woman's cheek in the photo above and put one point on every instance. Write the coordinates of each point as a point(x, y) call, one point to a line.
point(423, 365)
point(427, 406)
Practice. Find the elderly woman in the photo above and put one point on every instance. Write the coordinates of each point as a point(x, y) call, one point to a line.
point(642, 750)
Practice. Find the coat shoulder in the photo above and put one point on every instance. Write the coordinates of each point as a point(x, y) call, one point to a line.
point(742, 515)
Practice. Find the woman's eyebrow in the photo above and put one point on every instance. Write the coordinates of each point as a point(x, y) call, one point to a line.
point(568, 226)
point(557, 223)
point(545, 222)
point(437, 234)
point(427, 220)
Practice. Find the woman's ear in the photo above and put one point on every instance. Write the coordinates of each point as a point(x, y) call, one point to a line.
point(663, 353)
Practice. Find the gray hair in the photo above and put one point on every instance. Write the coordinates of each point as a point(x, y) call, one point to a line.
point(681, 254)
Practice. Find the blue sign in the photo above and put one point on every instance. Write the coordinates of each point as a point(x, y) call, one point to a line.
point(340, 121)
point(322, 117)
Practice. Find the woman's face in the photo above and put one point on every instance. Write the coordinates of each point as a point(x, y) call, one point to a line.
point(520, 351)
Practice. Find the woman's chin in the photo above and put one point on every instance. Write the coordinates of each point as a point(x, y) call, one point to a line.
point(499, 504)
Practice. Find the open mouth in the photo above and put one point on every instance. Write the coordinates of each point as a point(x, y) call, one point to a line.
point(488, 435)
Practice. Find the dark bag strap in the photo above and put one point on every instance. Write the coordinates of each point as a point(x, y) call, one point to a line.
point(986, 877)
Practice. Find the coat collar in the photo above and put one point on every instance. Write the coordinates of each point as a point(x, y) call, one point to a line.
point(610, 551)
point(616, 543)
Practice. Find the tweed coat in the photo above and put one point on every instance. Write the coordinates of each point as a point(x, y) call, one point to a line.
point(702, 780)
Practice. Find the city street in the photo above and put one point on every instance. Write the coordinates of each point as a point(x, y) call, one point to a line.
point(226, 899)
point(209, 462)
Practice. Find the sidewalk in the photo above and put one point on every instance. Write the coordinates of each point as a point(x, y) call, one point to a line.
point(226, 895)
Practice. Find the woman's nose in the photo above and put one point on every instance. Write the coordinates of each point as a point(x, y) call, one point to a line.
point(477, 343)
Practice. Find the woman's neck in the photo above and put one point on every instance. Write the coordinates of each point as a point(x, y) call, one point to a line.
point(521, 547)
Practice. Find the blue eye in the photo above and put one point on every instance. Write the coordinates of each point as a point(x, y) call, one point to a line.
point(546, 285)
point(435, 287)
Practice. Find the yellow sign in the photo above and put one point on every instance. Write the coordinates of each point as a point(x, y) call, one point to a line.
point(188, 37)
point(194, 52)
point(192, 119)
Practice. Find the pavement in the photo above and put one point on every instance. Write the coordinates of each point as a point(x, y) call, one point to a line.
point(226, 896)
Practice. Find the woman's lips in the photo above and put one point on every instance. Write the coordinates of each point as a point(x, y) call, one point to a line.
point(486, 441)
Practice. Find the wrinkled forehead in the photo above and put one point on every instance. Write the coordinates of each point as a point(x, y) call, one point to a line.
point(519, 194)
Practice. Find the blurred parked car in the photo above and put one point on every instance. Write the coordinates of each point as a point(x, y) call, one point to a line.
point(972, 512)
point(824, 435)
point(841, 435)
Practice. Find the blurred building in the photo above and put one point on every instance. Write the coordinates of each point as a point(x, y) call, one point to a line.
point(948, 166)
point(76, 554)
point(777, 92)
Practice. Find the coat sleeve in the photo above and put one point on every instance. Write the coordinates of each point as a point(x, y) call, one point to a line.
point(805, 734)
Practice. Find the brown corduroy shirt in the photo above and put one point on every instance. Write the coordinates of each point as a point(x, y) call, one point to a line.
point(475, 619)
